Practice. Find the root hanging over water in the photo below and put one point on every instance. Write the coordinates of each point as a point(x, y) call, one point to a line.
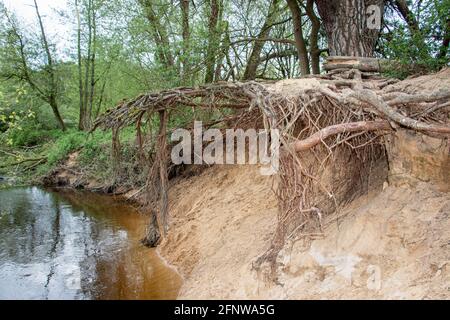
point(332, 130)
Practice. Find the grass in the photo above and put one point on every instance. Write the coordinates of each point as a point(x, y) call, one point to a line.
point(56, 146)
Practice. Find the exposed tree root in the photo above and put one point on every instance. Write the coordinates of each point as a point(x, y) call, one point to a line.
point(324, 133)
point(335, 124)
point(378, 103)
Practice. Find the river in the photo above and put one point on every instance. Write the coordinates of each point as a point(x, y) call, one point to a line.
point(77, 245)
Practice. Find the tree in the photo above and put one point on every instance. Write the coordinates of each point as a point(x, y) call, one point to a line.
point(86, 87)
point(214, 14)
point(313, 37)
point(352, 26)
point(410, 19)
point(255, 57)
point(300, 43)
point(50, 68)
point(159, 34)
point(186, 34)
point(20, 62)
point(82, 116)
point(415, 35)
point(445, 41)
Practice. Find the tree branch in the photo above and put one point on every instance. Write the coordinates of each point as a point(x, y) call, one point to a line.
point(288, 41)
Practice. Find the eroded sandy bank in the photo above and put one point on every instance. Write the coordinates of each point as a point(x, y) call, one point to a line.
point(394, 244)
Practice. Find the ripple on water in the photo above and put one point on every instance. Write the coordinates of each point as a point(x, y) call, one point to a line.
point(76, 245)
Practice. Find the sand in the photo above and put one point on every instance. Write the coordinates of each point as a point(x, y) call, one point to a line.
point(391, 245)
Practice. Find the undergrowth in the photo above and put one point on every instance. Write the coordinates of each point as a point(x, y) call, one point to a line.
point(28, 154)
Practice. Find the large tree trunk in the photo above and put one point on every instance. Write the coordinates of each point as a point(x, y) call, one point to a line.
point(349, 31)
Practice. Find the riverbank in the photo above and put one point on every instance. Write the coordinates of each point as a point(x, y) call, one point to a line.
point(390, 239)
point(391, 243)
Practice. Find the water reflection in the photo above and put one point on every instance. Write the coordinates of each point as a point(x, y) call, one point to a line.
point(75, 245)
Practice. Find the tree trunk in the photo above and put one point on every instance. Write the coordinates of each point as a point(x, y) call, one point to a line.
point(213, 40)
point(186, 40)
point(59, 119)
point(223, 52)
point(81, 119)
point(84, 118)
point(352, 28)
point(298, 34)
point(313, 37)
point(92, 62)
point(159, 34)
point(53, 90)
point(255, 56)
point(407, 15)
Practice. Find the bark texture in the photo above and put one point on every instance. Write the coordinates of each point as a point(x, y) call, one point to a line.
point(349, 31)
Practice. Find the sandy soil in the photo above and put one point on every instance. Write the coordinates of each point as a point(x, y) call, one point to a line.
point(395, 244)
point(220, 221)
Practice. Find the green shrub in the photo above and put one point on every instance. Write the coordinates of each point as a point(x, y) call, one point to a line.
point(31, 135)
point(68, 142)
point(96, 151)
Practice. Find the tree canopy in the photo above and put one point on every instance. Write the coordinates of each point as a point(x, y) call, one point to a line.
point(118, 49)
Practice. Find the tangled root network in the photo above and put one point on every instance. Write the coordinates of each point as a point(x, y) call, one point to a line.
point(337, 120)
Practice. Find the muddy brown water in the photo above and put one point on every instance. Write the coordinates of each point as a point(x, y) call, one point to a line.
point(77, 245)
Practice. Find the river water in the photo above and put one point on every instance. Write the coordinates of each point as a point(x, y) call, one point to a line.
point(76, 245)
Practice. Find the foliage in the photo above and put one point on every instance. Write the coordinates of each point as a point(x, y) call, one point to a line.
point(68, 143)
point(421, 51)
